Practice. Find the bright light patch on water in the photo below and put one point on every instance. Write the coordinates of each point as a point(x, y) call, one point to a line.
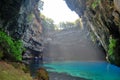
point(58, 11)
point(88, 70)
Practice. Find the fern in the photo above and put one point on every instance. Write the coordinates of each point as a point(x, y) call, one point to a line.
point(11, 47)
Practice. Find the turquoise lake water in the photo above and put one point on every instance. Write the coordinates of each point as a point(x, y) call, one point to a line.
point(88, 70)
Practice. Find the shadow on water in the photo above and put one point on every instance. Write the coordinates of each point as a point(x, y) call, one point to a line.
point(37, 71)
point(34, 65)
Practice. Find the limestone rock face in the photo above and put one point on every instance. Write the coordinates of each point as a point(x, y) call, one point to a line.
point(15, 16)
point(9, 14)
point(103, 20)
point(33, 37)
point(77, 5)
point(20, 19)
point(117, 5)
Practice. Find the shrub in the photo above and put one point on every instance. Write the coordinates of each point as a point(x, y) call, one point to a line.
point(95, 4)
point(11, 48)
point(112, 46)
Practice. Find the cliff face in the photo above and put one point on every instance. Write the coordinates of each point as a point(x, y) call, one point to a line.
point(20, 19)
point(103, 19)
point(9, 14)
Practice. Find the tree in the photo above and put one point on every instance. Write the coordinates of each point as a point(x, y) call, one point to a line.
point(78, 23)
point(67, 25)
point(47, 23)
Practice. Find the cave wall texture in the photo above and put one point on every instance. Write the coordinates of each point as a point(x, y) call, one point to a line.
point(20, 19)
point(101, 17)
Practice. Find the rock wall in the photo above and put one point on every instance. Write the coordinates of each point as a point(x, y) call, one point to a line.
point(20, 19)
point(103, 19)
point(9, 14)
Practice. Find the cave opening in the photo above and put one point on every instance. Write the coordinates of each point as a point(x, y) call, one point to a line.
point(66, 34)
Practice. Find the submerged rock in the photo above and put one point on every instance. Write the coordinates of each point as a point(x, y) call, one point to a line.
point(42, 74)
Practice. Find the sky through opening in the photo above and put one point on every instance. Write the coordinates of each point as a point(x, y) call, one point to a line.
point(58, 11)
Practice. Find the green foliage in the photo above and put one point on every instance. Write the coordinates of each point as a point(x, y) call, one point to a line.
point(95, 4)
point(112, 46)
point(68, 25)
point(30, 17)
point(47, 23)
point(78, 23)
point(11, 48)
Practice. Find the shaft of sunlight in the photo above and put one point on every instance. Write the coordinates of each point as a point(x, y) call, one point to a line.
point(58, 11)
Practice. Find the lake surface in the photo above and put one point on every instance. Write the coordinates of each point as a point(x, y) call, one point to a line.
point(99, 70)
